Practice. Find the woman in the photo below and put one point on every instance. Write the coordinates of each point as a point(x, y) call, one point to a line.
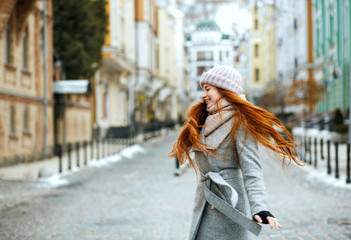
point(223, 131)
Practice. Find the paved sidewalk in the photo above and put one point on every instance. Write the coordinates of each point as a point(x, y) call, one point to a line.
point(141, 199)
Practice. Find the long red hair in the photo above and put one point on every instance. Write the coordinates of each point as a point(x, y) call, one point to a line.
point(257, 122)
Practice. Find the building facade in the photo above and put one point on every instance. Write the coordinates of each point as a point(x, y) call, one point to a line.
point(170, 100)
point(207, 47)
point(242, 63)
point(291, 47)
point(112, 82)
point(146, 58)
point(332, 52)
point(26, 125)
point(291, 34)
point(262, 47)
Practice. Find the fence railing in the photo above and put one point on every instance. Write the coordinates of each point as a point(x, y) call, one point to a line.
point(115, 140)
point(90, 150)
point(333, 154)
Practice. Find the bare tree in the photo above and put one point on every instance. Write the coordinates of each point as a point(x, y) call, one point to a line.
point(305, 92)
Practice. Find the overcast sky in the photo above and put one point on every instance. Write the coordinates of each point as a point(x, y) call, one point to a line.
point(229, 13)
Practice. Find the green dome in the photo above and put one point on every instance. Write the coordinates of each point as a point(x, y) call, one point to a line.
point(207, 25)
point(225, 36)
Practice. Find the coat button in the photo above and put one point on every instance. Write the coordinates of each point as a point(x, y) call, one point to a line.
point(212, 207)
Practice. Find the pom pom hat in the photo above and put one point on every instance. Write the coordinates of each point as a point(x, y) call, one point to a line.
point(225, 77)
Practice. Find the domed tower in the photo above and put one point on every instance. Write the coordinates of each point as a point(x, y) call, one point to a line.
point(207, 47)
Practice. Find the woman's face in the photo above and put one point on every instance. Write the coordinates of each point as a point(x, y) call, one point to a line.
point(210, 94)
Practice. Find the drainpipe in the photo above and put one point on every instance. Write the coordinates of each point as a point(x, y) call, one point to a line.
point(340, 14)
point(310, 59)
point(350, 102)
point(45, 99)
point(349, 75)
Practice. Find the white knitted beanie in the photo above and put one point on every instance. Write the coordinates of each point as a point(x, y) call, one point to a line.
point(225, 77)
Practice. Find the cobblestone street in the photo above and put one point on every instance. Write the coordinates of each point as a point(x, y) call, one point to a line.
point(140, 198)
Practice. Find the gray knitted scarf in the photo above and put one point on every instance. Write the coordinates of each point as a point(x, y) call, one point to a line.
point(213, 120)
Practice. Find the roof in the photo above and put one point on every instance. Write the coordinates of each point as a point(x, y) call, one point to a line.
point(207, 25)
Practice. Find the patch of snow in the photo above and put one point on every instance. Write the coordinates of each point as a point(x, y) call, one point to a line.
point(57, 180)
point(52, 182)
point(317, 176)
point(75, 169)
point(104, 161)
point(298, 131)
point(131, 151)
point(313, 132)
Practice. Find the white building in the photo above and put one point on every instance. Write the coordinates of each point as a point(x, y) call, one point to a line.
point(146, 84)
point(242, 63)
point(291, 35)
point(207, 47)
point(171, 98)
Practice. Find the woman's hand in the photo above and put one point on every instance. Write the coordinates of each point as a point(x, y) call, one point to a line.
point(266, 217)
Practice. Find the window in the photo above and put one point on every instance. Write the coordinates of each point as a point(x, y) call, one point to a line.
point(257, 75)
point(8, 45)
point(26, 119)
point(200, 70)
point(296, 62)
point(317, 41)
point(203, 56)
point(41, 43)
point(25, 50)
point(12, 121)
point(331, 30)
point(105, 103)
point(200, 56)
point(257, 49)
point(256, 24)
point(123, 33)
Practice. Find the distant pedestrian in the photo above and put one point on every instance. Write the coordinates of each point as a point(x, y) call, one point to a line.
point(223, 131)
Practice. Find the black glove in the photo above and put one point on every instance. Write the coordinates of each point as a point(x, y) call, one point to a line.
point(263, 215)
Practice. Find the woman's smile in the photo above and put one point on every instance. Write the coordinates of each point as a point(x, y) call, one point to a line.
point(210, 94)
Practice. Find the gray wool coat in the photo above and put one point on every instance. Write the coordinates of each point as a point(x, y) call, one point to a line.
point(242, 189)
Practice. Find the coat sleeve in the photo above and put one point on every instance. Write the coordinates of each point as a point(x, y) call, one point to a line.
point(247, 151)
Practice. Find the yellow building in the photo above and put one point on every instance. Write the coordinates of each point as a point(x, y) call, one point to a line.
point(262, 47)
point(23, 132)
point(171, 102)
point(112, 81)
